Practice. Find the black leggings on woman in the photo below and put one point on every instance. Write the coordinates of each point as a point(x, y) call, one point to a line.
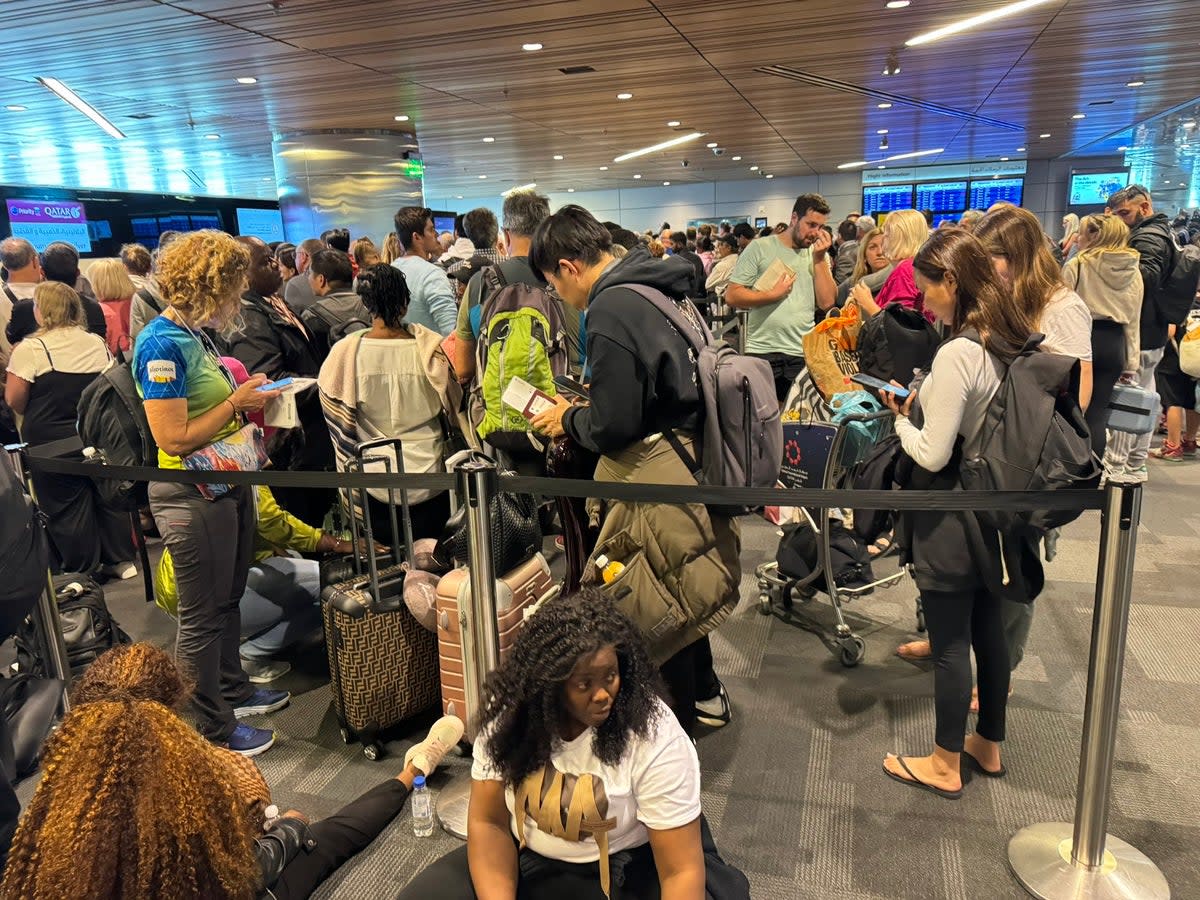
point(1108, 362)
point(958, 623)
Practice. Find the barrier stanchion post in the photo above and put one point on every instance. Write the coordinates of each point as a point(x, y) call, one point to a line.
point(477, 485)
point(49, 627)
point(743, 327)
point(1054, 860)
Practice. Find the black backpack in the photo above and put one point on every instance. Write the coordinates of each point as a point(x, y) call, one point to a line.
point(24, 551)
point(334, 316)
point(797, 556)
point(88, 627)
point(896, 342)
point(1034, 437)
point(113, 420)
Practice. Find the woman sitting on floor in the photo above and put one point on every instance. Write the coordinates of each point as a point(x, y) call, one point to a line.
point(580, 759)
point(135, 805)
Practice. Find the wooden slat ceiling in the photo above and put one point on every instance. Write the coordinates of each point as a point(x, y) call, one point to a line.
point(459, 72)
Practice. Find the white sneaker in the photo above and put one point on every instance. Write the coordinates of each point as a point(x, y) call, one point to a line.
point(122, 570)
point(1138, 475)
point(443, 736)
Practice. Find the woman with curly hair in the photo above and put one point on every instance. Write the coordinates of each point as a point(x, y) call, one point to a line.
point(135, 805)
point(191, 403)
point(581, 760)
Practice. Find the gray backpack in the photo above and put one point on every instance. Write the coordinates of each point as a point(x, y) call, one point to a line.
point(741, 440)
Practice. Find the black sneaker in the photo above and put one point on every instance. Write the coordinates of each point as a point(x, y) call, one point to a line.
point(714, 712)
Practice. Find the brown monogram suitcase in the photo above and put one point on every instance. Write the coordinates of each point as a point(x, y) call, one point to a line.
point(382, 662)
point(518, 595)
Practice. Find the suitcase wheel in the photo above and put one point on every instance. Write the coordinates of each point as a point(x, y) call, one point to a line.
point(373, 752)
point(347, 735)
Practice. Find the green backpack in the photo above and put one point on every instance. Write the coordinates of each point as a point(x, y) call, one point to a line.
point(522, 335)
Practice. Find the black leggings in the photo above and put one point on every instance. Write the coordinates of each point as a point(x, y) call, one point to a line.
point(1108, 362)
point(689, 677)
point(958, 623)
point(340, 837)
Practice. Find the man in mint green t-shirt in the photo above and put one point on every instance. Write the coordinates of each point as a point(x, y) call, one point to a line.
point(782, 313)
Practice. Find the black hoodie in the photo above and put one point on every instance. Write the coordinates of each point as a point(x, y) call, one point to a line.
point(643, 370)
point(1151, 238)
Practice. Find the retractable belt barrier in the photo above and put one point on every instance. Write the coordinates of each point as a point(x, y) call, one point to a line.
point(947, 501)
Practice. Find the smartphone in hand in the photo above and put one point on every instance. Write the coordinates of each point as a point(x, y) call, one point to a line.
point(568, 385)
point(879, 384)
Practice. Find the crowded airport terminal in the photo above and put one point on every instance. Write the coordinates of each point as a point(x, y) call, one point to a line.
point(599, 450)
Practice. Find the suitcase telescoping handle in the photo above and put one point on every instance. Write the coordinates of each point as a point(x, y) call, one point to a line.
point(405, 515)
point(372, 550)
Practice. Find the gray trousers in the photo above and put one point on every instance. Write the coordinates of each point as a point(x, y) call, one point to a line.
point(1131, 450)
point(211, 543)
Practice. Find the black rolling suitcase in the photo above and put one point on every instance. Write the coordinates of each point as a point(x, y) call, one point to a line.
point(383, 663)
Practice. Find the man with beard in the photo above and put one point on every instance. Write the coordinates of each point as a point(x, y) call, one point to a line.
point(273, 340)
point(782, 313)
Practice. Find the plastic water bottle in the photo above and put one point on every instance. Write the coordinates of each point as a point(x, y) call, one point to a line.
point(421, 802)
point(610, 570)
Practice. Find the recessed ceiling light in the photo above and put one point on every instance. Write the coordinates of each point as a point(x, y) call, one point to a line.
point(212, 137)
point(884, 106)
point(400, 118)
point(736, 158)
point(637, 176)
point(654, 148)
point(625, 96)
point(458, 196)
point(1183, 184)
point(882, 131)
point(247, 79)
point(770, 176)
point(672, 124)
point(1079, 116)
point(1004, 159)
point(666, 184)
point(558, 156)
point(1020, 149)
point(1122, 149)
point(16, 107)
point(489, 140)
point(712, 144)
point(604, 168)
point(854, 165)
point(916, 153)
point(1189, 124)
point(881, 167)
point(1046, 135)
point(482, 177)
point(754, 168)
point(530, 48)
point(898, 4)
point(1134, 83)
point(972, 22)
point(570, 190)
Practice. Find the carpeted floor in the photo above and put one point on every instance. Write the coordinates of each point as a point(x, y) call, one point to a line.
point(793, 787)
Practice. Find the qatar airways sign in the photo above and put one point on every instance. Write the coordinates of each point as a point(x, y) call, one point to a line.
point(42, 222)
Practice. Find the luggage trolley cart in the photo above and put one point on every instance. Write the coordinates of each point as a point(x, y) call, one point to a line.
point(819, 455)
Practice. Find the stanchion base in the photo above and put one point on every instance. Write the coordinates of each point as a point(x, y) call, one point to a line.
point(1040, 857)
point(452, 804)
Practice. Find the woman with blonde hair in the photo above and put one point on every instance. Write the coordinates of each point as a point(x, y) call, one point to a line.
point(364, 253)
point(114, 289)
point(1069, 244)
point(47, 373)
point(392, 249)
point(904, 231)
point(871, 258)
point(657, 249)
point(192, 407)
point(1105, 274)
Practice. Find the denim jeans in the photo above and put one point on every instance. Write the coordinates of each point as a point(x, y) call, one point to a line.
point(281, 605)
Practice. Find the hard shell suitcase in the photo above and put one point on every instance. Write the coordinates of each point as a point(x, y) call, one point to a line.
point(518, 595)
point(1133, 410)
point(382, 662)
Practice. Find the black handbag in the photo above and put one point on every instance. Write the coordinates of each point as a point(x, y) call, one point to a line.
point(516, 533)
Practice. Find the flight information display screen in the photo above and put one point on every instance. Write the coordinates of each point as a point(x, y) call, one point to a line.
point(942, 196)
point(993, 190)
point(887, 197)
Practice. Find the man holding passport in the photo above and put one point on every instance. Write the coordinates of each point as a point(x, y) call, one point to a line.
point(781, 279)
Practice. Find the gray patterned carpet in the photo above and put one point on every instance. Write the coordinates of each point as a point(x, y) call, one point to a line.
point(793, 786)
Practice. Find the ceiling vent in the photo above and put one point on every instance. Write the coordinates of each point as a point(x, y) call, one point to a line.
point(577, 70)
point(1102, 103)
point(141, 115)
point(847, 88)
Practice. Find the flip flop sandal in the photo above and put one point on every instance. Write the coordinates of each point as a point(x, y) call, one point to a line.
point(882, 545)
point(976, 766)
point(913, 781)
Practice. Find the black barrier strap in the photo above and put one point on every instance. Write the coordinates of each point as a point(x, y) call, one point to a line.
point(950, 501)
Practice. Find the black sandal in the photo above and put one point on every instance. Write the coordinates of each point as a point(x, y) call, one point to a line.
point(976, 766)
point(881, 546)
point(913, 781)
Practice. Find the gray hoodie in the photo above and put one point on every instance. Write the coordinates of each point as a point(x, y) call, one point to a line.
point(1110, 283)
